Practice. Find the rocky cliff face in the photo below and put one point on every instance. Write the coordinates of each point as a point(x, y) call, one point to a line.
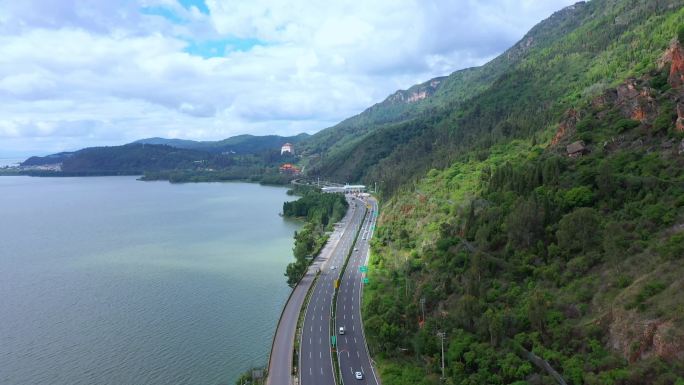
point(674, 56)
point(415, 93)
point(637, 338)
point(636, 99)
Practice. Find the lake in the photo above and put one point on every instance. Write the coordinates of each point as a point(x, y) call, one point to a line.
point(110, 280)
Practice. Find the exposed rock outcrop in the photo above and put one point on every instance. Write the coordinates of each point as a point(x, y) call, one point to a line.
point(679, 125)
point(576, 149)
point(674, 56)
point(676, 78)
point(636, 101)
point(416, 93)
point(637, 339)
point(566, 127)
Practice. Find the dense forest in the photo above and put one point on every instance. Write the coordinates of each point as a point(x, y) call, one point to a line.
point(321, 211)
point(259, 160)
point(532, 217)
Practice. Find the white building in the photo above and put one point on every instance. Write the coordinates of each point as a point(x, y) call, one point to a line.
point(347, 189)
point(287, 147)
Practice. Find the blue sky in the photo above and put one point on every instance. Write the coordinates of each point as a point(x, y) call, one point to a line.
point(77, 73)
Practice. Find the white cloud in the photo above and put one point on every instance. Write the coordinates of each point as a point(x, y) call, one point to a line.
point(77, 73)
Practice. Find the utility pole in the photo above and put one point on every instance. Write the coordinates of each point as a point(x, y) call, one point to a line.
point(442, 335)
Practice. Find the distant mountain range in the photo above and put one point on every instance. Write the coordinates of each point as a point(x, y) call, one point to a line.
point(240, 144)
point(155, 154)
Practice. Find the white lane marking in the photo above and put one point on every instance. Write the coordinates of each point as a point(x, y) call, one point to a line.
point(320, 328)
point(352, 316)
point(310, 373)
point(321, 370)
point(311, 328)
point(344, 316)
point(320, 354)
point(319, 340)
point(352, 327)
point(355, 340)
point(357, 354)
point(348, 353)
point(309, 340)
point(309, 355)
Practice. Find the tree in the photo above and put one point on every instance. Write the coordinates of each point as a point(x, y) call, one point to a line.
point(579, 231)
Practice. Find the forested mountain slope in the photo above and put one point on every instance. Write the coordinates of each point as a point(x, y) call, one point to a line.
point(575, 53)
point(425, 101)
point(540, 219)
point(240, 144)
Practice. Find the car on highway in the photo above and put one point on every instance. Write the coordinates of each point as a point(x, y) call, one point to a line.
point(333, 267)
point(358, 375)
point(342, 330)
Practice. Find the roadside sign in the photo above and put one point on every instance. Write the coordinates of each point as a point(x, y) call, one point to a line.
point(333, 340)
point(363, 269)
point(365, 280)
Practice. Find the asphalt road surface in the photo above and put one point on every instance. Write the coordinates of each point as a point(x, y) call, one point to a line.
point(315, 350)
point(280, 363)
point(352, 349)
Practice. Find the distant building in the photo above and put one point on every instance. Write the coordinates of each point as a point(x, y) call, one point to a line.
point(290, 169)
point(347, 189)
point(287, 147)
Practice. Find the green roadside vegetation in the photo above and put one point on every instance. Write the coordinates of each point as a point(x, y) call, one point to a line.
point(570, 259)
point(519, 250)
point(321, 211)
point(248, 378)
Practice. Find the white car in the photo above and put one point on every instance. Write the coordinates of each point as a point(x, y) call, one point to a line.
point(333, 267)
point(358, 375)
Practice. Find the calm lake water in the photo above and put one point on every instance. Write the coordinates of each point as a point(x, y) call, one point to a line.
point(115, 281)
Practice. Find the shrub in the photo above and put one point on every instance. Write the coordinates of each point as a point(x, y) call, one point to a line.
point(673, 248)
point(579, 197)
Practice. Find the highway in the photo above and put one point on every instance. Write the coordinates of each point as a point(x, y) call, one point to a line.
point(352, 349)
point(315, 348)
point(280, 361)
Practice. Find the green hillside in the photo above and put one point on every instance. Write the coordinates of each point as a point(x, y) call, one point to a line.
point(574, 54)
point(239, 144)
point(536, 205)
point(164, 162)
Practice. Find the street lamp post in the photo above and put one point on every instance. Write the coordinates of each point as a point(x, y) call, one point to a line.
point(442, 335)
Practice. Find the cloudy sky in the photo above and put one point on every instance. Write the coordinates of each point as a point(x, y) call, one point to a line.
point(76, 73)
